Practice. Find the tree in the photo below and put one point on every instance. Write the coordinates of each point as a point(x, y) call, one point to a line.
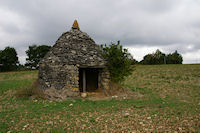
point(148, 59)
point(174, 58)
point(35, 54)
point(159, 57)
point(8, 59)
point(119, 61)
point(134, 61)
point(155, 58)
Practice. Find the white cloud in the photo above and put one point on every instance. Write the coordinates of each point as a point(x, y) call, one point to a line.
point(14, 29)
point(191, 57)
point(139, 52)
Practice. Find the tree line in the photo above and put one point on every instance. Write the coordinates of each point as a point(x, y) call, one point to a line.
point(9, 58)
point(161, 58)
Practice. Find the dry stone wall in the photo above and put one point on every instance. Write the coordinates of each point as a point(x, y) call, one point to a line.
point(104, 79)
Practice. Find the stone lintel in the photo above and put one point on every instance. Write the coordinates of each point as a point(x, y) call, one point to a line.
point(92, 66)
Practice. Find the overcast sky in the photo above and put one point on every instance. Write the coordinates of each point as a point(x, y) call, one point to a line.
point(142, 26)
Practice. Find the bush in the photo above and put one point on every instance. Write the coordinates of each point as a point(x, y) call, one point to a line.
point(134, 61)
point(119, 61)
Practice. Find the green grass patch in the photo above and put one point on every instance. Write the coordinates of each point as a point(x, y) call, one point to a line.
point(166, 96)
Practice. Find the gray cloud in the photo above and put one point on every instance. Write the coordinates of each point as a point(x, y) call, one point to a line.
point(167, 24)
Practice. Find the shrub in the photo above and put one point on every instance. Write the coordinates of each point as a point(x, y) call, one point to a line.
point(119, 61)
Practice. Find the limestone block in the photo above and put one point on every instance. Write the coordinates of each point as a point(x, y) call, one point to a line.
point(83, 95)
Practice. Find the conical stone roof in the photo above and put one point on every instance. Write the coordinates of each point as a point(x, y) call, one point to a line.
point(75, 48)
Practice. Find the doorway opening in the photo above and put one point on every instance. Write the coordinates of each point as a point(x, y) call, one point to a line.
point(88, 77)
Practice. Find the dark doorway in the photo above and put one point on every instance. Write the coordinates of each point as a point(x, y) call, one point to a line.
point(91, 75)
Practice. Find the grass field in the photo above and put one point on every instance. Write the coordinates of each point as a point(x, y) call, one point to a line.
point(167, 99)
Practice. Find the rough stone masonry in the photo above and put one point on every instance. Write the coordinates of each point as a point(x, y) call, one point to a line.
point(59, 70)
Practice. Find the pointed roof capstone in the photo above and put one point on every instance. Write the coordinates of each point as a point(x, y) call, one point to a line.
point(75, 25)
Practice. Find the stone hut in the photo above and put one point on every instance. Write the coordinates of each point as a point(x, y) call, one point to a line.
point(73, 65)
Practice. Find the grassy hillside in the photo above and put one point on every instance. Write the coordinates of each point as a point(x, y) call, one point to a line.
point(166, 98)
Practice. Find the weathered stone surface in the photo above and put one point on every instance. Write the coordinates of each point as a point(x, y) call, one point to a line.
point(59, 69)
